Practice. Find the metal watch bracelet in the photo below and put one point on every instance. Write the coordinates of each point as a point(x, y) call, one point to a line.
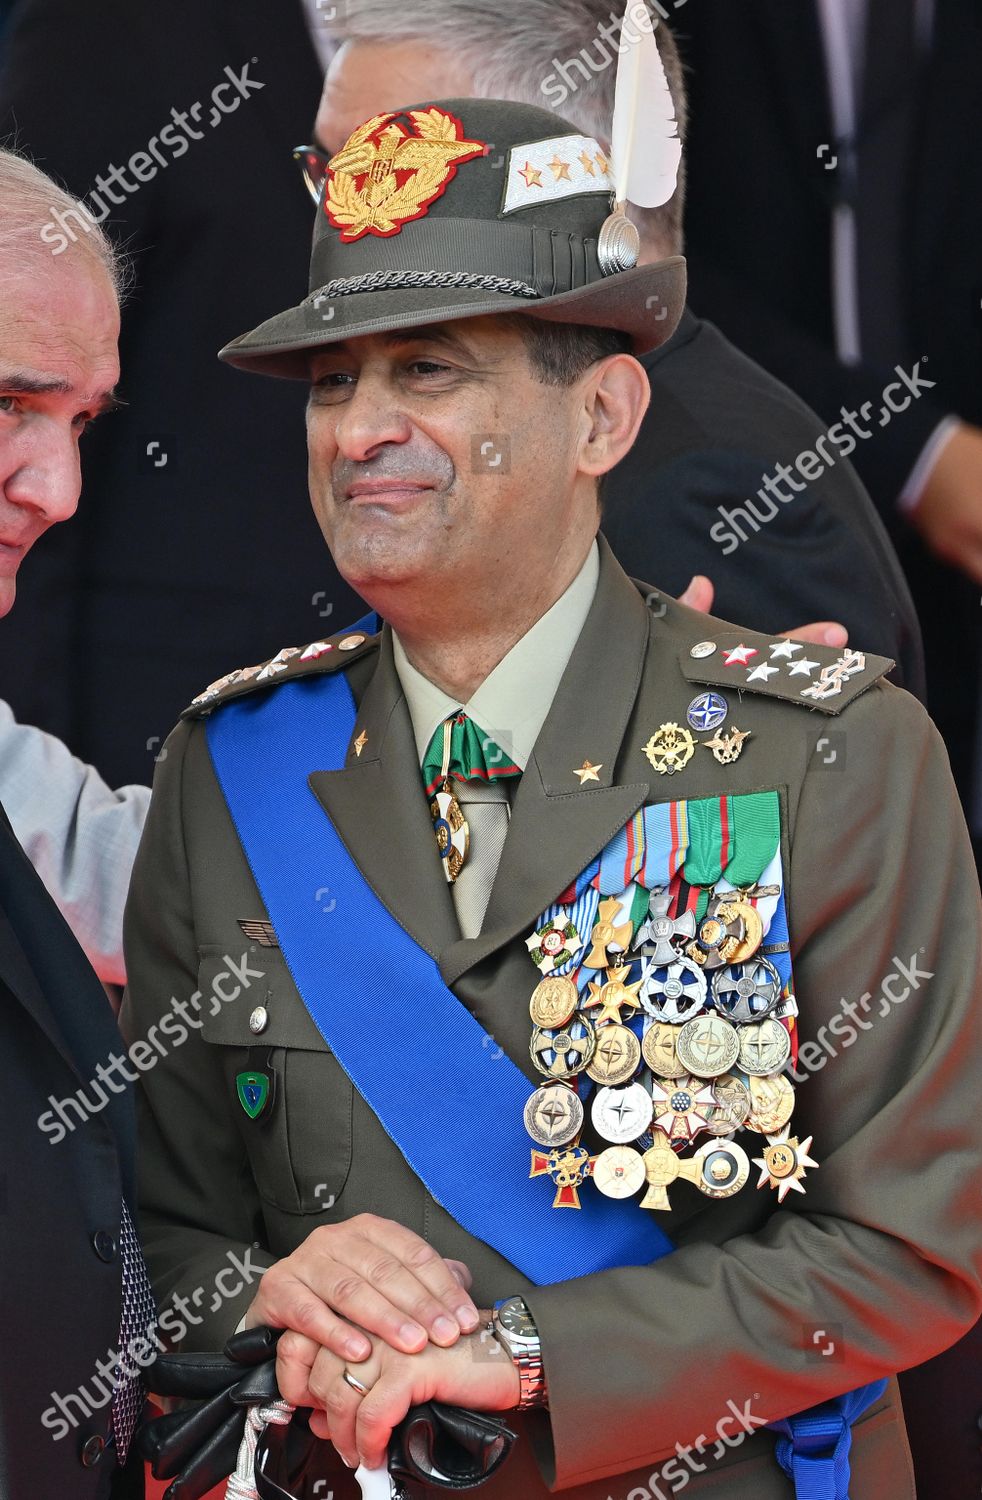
point(526, 1356)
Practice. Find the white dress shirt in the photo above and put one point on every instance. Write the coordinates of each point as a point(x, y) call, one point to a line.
point(79, 835)
point(513, 701)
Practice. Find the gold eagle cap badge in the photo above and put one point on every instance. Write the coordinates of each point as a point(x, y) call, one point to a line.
point(385, 175)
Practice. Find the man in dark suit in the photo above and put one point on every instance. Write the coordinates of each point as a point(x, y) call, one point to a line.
point(74, 1298)
point(725, 479)
point(833, 223)
point(163, 574)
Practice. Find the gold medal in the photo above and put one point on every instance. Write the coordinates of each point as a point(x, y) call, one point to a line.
point(606, 934)
point(611, 996)
point(771, 1104)
point(718, 935)
point(727, 747)
point(553, 1002)
point(708, 1046)
point(783, 1164)
point(670, 749)
point(732, 1105)
point(616, 1057)
point(661, 1168)
point(659, 1050)
point(754, 936)
point(453, 835)
point(723, 1168)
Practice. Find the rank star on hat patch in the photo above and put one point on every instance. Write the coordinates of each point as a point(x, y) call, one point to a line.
point(561, 167)
point(384, 175)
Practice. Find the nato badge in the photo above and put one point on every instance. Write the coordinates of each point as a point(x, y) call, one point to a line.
point(708, 711)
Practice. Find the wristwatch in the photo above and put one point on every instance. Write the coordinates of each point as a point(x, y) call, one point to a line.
point(515, 1330)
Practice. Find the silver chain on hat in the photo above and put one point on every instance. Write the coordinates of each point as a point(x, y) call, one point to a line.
point(380, 281)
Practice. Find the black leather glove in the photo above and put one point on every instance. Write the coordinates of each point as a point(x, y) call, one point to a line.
point(448, 1446)
point(437, 1445)
point(199, 1444)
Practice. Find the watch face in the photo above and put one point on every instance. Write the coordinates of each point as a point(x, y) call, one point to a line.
point(515, 1318)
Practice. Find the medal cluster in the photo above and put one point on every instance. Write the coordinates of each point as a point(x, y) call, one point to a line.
point(658, 1033)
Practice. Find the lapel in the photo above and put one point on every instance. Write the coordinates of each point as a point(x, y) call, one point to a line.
point(377, 805)
point(17, 975)
point(15, 968)
point(557, 826)
point(52, 979)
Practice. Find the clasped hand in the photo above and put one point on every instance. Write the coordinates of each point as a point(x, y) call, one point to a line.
point(371, 1296)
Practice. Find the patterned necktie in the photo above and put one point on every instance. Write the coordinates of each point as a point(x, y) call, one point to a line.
point(137, 1321)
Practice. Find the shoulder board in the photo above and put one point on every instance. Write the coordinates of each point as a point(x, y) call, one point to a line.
point(825, 677)
point(331, 655)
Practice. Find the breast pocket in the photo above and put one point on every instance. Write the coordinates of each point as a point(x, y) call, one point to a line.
point(290, 1099)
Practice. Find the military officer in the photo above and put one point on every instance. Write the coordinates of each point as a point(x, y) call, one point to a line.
point(571, 973)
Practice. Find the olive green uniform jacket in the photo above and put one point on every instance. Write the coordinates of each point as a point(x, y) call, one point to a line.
point(881, 1259)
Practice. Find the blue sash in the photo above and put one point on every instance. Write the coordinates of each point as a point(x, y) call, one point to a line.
point(401, 1058)
point(260, 748)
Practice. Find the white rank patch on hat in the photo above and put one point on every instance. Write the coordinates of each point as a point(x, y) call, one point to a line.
point(543, 171)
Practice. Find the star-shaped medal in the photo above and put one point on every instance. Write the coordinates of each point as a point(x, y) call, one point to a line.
point(682, 1106)
point(611, 996)
point(586, 772)
point(783, 1163)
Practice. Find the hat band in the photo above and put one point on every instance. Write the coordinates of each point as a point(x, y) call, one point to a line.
point(528, 260)
point(384, 281)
